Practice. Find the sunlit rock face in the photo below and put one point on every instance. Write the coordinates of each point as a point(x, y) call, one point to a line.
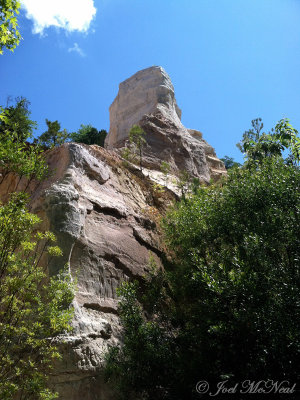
point(99, 215)
point(103, 215)
point(99, 212)
point(147, 99)
point(142, 94)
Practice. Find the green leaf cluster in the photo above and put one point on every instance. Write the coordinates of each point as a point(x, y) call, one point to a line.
point(9, 34)
point(89, 135)
point(54, 135)
point(138, 141)
point(16, 118)
point(257, 145)
point(229, 162)
point(165, 169)
point(236, 280)
point(17, 155)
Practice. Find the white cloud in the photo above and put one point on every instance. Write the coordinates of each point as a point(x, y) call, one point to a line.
point(76, 49)
point(72, 15)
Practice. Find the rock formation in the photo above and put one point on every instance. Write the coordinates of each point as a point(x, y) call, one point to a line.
point(100, 214)
point(103, 215)
point(148, 99)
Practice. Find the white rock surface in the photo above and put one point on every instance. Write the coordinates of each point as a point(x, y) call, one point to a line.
point(147, 99)
point(144, 93)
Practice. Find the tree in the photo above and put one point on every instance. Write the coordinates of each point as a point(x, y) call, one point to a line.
point(17, 155)
point(54, 136)
point(186, 183)
point(89, 135)
point(257, 145)
point(225, 307)
point(236, 284)
point(229, 162)
point(33, 307)
point(17, 119)
point(165, 169)
point(137, 139)
point(9, 34)
point(126, 155)
point(144, 354)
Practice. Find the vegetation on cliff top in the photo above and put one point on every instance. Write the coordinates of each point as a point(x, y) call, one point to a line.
point(55, 136)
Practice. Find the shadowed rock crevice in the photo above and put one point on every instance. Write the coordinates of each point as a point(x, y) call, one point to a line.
point(100, 307)
point(113, 212)
point(146, 241)
point(112, 258)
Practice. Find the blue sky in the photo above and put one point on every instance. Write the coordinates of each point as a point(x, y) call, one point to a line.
point(230, 61)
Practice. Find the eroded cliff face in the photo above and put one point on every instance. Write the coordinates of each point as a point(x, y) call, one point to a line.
point(104, 217)
point(98, 210)
point(101, 214)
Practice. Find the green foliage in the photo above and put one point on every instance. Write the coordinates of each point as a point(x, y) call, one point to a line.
point(186, 184)
point(89, 135)
point(288, 136)
point(33, 308)
point(165, 169)
point(16, 154)
point(143, 358)
point(54, 136)
point(229, 162)
point(9, 34)
point(127, 156)
point(227, 306)
point(15, 119)
point(183, 183)
point(257, 145)
point(237, 280)
point(158, 188)
point(137, 139)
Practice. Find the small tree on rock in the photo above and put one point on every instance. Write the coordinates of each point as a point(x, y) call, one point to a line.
point(165, 169)
point(137, 139)
point(54, 136)
point(16, 119)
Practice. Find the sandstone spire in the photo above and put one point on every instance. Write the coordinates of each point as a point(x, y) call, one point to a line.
point(147, 98)
point(144, 93)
